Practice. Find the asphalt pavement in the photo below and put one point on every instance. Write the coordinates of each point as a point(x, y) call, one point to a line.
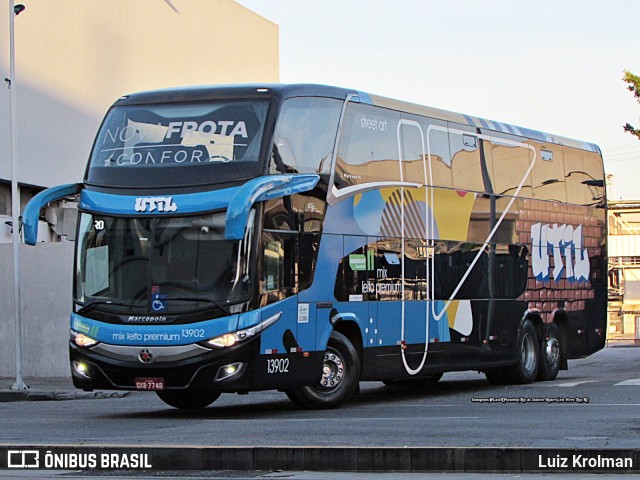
point(284, 459)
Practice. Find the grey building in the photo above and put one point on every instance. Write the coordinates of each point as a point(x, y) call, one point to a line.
point(73, 59)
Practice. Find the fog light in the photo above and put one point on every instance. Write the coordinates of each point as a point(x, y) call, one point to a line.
point(228, 371)
point(81, 369)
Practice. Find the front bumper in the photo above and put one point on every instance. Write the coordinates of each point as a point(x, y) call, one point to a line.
point(193, 367)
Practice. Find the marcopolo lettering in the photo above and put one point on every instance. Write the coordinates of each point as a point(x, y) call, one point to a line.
point(145, 319)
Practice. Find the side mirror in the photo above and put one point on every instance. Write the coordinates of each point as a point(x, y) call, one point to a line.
point(31, 213)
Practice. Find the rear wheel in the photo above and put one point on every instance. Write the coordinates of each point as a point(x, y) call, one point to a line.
point(526, 368)
point(340, 377)
point(495, 376)
point(550, 353)
point(188, 399)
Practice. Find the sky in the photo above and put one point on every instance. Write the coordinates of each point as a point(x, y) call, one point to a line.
point(549, 65)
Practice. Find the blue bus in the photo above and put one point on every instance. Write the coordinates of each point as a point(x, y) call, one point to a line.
point(305, 238)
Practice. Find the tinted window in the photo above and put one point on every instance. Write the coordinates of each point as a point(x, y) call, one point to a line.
point(368, 150)
point(438, 154)
point(305, 135)
point(466, 170)
point(508, 161)
point(584, 176)
point(179, 144)
point(548, 176)
point(160, 265)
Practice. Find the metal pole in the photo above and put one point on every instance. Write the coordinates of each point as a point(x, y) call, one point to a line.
point(15, 200)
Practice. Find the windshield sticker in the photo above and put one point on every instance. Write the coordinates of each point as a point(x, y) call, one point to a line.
point(179, 142)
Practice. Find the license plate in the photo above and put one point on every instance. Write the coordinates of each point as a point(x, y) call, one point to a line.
point(149, 383)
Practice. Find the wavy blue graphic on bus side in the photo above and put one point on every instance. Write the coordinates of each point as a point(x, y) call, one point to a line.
point(184, 334)
point(357, 221)
point(114, 204)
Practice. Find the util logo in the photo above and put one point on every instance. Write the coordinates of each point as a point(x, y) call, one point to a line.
point(565, 243)
point(152, 204)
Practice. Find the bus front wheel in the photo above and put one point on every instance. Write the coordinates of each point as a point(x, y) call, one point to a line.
point(188, 399)
point(340, 377)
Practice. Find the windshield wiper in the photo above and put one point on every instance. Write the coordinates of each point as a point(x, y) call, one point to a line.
point(92, 305)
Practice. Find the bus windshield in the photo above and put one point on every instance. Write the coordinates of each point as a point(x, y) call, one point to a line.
point(160, 265)
point(179, 144)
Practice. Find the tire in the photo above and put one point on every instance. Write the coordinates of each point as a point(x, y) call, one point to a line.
point(340, 377)
point(415, 383)
point(188, 399)
point(527, 355)
point(551, 355)
point(495, 376)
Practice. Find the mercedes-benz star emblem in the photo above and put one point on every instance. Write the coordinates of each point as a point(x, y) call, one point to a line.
point(145, 356)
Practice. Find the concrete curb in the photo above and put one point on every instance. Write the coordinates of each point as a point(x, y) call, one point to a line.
point(338, 459)
point(39, 395)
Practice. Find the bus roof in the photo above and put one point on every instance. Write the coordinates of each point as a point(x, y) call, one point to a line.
point(284, 91)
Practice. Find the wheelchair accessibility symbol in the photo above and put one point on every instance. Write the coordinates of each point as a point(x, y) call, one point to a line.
point(158, 305)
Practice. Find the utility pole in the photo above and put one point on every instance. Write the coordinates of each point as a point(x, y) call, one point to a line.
point(15, 10)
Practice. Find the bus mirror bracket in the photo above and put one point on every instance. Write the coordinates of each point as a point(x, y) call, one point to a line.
point(31, 213)
point(258, 190)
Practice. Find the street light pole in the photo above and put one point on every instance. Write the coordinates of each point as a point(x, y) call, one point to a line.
point(15, 10)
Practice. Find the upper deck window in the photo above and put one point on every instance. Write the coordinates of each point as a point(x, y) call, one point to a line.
point(179, 144)
point(305, 135)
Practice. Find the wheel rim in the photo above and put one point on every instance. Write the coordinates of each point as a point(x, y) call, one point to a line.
point(552, 352)
point(528, 353)
point(333, 370)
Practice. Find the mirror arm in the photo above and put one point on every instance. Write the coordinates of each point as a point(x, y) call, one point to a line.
point(31, 213)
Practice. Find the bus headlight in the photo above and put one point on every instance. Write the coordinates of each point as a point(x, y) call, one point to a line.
point(82, 340)
point(226, 340)
point(231, 339)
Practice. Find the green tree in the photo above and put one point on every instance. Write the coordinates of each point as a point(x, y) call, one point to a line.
point(633, 82)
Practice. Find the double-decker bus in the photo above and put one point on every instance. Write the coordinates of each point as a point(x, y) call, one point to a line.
point(305, 238)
